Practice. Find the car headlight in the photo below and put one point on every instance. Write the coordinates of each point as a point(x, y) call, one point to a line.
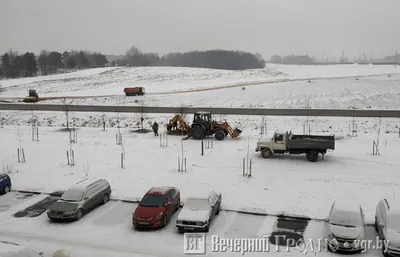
point(159, 216)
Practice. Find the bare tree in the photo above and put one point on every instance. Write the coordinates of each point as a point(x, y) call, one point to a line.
point(131, 55)
point(142, 117)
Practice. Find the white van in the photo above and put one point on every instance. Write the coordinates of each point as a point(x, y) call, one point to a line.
point(346, 226)
point(387, 224)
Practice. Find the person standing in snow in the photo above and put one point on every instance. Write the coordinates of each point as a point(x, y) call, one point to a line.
point(155, 128)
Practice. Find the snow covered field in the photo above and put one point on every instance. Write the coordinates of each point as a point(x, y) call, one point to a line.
point(286, 184)
point(279, 86)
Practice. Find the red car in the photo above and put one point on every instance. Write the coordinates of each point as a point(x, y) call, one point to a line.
point(156, 207)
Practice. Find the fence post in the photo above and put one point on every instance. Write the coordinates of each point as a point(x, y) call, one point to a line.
point(68, 157)
point(250, 168)
point(19, 158)
point(185, 165)
point(23, 155)
point(202, 147)
point(244, 167)
point(179, 164)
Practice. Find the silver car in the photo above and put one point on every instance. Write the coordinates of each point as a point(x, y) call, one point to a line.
point(80, 199)
point(387, 224)
point(197, 213)
point(346, 226)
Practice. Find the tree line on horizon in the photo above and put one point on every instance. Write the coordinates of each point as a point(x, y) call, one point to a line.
point(213, 59)
point(14, 65)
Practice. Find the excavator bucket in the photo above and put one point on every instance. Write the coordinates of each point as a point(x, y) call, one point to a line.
point(236, 132)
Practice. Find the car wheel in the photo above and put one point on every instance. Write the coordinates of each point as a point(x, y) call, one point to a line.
point(165, 221)
point(207, 228)
point(106, 198)
point(266, 153)
point(218, 210)
point(79, 215)
point(384, 252)
point(7, 189)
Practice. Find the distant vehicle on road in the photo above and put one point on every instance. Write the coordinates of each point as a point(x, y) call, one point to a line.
point(132, 91)
point(387, 224)
point(286, 142)
point(33, 97)
point(5, 183)
point(80, 199)
point(197, 213)
point(346, 225)
point(156, 207)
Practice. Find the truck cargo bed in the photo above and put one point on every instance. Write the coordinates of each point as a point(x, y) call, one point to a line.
point(311, 142)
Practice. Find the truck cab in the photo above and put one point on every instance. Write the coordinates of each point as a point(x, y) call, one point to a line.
point(277, 143)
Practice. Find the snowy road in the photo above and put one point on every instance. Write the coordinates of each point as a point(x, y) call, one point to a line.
point(107, 230)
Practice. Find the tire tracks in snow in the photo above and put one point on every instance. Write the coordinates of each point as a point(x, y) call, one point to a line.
point(83, 244)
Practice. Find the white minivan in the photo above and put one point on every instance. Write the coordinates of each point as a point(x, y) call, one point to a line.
point(387, 224)
point(346, 226)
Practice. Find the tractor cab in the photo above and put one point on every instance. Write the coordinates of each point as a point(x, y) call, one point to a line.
point(32, 93)
point(203, 118)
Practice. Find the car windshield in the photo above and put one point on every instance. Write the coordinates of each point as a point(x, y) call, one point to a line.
point(197, 204)
point(394, 222)
point(72, 195)
point(152, 201)
point(346, 219)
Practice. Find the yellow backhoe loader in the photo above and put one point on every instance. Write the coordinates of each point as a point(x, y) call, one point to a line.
point(177, 126)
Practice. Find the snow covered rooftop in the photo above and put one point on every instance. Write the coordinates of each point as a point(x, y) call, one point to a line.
point(159, 190)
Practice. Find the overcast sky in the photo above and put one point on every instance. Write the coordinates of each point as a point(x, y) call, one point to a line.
point(314, 27)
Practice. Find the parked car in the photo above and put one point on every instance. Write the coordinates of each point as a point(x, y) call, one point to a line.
point(346, 224)
point(156, 207)
point(5, 183)
point(387, 224)
point(197, 213)
point(9, 249)
point(80, 199)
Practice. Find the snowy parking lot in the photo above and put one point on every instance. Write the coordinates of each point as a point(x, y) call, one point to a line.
point(108, 228)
